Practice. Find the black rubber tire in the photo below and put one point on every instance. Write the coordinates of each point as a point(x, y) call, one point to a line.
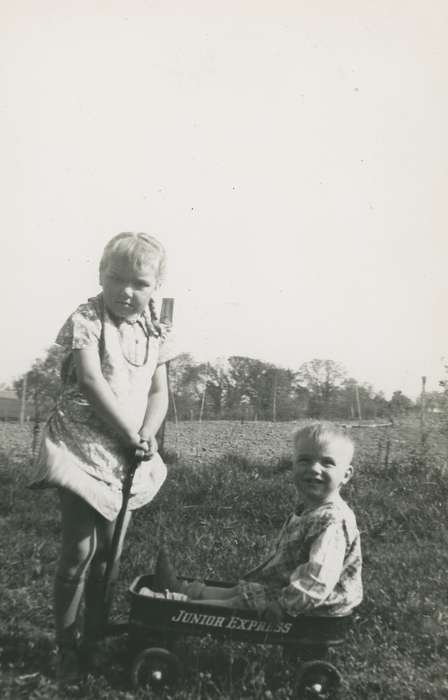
point(155, 668)
point(317, 680)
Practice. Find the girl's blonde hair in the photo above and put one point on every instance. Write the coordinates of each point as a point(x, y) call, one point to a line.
point(140, 249)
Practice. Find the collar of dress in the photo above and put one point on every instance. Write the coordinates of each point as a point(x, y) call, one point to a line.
point(144, 320)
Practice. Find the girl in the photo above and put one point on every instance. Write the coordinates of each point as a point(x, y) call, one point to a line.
point(113, 400)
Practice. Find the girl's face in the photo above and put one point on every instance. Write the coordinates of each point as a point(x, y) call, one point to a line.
point(127, 288)
point(321, 468)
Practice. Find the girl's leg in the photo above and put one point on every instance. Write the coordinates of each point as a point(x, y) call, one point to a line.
point(78, 546)
point(95, 613)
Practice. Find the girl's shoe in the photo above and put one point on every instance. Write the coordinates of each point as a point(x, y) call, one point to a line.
point(69, 668)
point(94, 656)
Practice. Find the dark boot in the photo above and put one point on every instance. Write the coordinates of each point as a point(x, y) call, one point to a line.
point(93, 655)
point(69, 671)
point(94, 609)
point(67, 601)
point(165, 575)
point(67, 597)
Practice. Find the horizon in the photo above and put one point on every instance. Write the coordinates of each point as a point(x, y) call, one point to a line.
point(198, 358)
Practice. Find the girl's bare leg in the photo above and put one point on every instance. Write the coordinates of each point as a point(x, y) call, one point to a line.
point(95, 613)
point(78, 547)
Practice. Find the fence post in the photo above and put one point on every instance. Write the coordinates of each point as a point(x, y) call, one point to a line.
point(166, 316)
point(358, 402)
point(423, 411)
point(36, 429)
point(274, 398)
point(201, 410)
point(23, 399)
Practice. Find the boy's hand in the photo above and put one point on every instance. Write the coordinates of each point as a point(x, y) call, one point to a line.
point(273, 613)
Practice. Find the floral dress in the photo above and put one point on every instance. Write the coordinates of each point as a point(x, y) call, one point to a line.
point(78, 451)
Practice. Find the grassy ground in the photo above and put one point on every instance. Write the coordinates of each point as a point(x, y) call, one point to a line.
point(227, 493)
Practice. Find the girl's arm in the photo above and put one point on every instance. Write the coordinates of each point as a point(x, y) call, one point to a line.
point(93, 384)
point(156, 408)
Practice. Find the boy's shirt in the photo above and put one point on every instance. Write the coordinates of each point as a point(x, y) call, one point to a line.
point(315, 565)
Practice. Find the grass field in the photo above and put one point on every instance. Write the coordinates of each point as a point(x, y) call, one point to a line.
point(227, 492)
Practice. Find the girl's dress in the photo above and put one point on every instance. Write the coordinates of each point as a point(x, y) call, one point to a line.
point(78, 451)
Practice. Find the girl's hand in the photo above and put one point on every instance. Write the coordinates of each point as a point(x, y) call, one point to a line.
point(147, 448)
point(135, 449)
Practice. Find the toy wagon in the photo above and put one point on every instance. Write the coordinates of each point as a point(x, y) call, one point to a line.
point(155, 624)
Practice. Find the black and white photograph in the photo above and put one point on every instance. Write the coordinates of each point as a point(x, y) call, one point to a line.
point(224, 357)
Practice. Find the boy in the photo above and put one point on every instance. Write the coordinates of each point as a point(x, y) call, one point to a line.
point(315, 565)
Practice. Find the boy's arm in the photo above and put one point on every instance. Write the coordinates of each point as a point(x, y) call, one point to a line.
point(93, 384)
point(253, 572)
point(156, 408)
point(311, 583)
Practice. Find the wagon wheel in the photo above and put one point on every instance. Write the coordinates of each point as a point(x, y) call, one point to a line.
point(317, 680)
point(154, 668)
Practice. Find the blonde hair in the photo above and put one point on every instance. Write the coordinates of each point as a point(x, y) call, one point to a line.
point(318, 431)
point(140, 249)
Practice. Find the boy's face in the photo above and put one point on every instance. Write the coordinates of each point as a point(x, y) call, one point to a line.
point(321, 468)
point(127, 289)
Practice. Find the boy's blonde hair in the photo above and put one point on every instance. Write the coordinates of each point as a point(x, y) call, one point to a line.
point(321, 430)
point(140, 249)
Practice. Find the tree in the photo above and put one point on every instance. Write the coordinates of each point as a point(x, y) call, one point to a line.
point(215, 383)
point(285, 402)
point(435, 401)
point(444, 382)
point(400, 403)
point(251, 383)
point(359, 400)
point(43, 382)
point(322, 379)
point(183, 378)
point(380, 405)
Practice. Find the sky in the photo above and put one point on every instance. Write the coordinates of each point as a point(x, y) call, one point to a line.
point(292, 157)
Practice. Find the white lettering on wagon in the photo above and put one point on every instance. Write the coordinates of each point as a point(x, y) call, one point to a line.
point(230, 623)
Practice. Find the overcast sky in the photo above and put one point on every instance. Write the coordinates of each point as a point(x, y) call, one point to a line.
point(291, 155)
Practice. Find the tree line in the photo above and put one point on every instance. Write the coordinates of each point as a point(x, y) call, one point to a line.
point(244, 388)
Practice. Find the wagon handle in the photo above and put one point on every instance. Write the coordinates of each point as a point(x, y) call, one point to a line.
point(166, 316)
point(113, 558)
